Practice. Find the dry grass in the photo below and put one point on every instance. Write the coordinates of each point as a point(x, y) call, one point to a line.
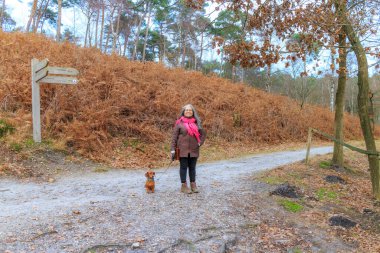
point(118, 102)
point(323, 200)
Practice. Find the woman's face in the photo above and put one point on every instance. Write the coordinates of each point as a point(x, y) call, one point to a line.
point(188, 113)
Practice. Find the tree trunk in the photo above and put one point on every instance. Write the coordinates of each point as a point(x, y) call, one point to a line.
point(183, 61)
point(201, 53)
point(74, 25)
point(146, 32)
point(32, 15)
point(97, 26)
point(2, 15)
point(179, 49)
point(107, 40)
point(102, 28)
point(126, 43)
point(195, 61)
point(363, 85)
point(138, 36)
point(59, 20)
point(40, 14)
point(322, 95)
point(268, 82)
point(87, 31)
point(221, 61)
point(161, 45)
point(352, 99)
point(339, 101)
point(332, 88)
point(115, 31)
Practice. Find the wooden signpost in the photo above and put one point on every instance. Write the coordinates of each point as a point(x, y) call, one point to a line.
point(42, 73)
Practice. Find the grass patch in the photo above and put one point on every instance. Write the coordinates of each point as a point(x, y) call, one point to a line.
point(5, 128)
point(101, 169)
point(134, 143)
point(29, 143)
point(272, 180)
point(295, 250)
point(324, 193)
point(290, 206)
point(325, 164)
point(249, 226)
point(16, 147)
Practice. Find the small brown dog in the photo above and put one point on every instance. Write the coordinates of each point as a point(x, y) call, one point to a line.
point(150, 184)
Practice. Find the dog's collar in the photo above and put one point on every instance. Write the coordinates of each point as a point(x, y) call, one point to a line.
point(150, 179)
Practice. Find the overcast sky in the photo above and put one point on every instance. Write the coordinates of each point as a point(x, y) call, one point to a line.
point(20, 11)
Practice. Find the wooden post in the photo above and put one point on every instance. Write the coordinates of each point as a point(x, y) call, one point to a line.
point(40, 74)
point(310, 133)
point(36, 105)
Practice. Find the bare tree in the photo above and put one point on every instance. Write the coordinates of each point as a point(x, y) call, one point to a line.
point(2, 15)
point(32, 15)
point(59, 20)
point(137, 35)
point(146, 29)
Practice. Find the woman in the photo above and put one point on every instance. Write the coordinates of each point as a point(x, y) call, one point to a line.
point(188, 136)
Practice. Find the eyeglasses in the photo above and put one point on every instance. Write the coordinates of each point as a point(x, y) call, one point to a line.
point(188, 110)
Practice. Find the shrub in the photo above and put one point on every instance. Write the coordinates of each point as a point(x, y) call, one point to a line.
point(5, 128)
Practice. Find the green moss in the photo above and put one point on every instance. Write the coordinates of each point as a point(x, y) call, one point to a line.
point(325, 164)
point(291, 206)
point(324, 193)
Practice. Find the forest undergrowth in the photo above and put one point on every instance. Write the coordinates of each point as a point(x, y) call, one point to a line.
point(122, 112)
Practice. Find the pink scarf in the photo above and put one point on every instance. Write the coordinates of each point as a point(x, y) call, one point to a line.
point(191, 127)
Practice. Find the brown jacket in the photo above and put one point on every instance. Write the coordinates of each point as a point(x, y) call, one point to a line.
point(187, 144)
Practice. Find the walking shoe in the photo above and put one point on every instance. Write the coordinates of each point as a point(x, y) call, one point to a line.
point(194, 188)
point(185, 189)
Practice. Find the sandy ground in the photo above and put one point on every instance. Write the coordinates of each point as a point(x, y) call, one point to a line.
point(88, 211)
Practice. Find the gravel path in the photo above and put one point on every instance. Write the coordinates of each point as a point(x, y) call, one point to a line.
point(110, 211)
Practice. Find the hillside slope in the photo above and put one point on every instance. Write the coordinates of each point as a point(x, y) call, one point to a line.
point(123, 112)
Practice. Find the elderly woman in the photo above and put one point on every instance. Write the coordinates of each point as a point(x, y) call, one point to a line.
point(188, 136)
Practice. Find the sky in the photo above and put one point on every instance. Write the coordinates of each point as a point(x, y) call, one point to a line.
point(20, 11)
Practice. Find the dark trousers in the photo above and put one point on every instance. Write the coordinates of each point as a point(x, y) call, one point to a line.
point(187, 162)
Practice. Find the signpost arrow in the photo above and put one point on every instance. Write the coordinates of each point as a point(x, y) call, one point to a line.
point(62, 71)
point(59, 80)
point(41, 74)
point(38, 65)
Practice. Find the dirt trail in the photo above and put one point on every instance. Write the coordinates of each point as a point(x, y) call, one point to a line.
point(110, 211)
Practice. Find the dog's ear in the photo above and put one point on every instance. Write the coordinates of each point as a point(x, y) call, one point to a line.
point(154, 173)
point(146, 174)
